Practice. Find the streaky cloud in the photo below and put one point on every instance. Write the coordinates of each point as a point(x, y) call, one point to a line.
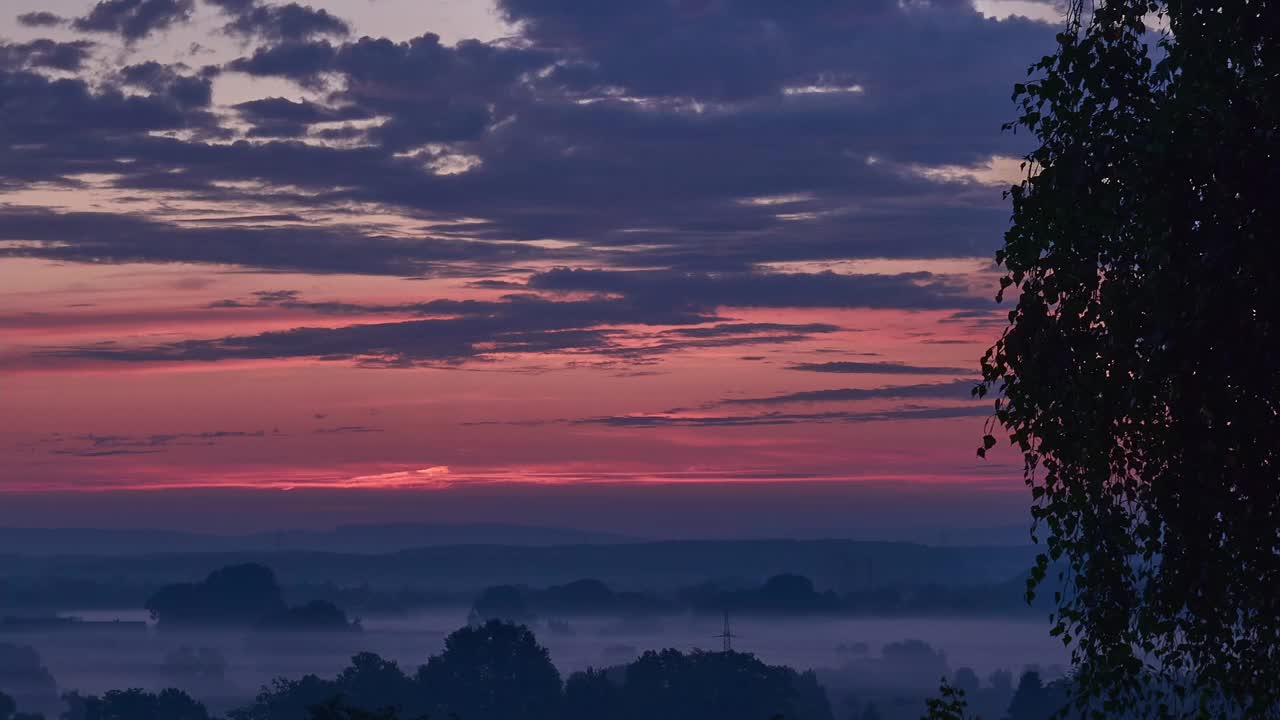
point(853, 367)
point(956, 390)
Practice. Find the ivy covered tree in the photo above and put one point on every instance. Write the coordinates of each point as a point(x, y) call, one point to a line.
point(1139, 374)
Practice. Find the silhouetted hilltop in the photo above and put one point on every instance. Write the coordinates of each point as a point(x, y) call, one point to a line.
point(841, 565)
point(1017, 535)
point(404, 536)
point(368, 538)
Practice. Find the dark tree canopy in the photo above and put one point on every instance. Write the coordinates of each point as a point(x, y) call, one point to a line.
point(337, 709)
point(1034, 700)
point(369, 684)
point(245, 595)
point(501, 602)
point(498, 671)
point(9, 710)
point(590, 694)
point(718, 686)
point(135, 704)
point(313, 616)
point(950, 704)
point(1140, 371)
point(492, 672)
point(25, 679)
point(236, 594)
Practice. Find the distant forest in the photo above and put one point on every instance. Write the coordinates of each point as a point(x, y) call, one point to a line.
point(846, 577)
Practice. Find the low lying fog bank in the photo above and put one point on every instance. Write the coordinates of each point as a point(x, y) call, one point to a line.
point(225, 668)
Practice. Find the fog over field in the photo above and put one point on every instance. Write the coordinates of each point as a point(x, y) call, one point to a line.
point(96, 661)
point(879, 622)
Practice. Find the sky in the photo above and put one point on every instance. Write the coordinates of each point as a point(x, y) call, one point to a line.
point(674, 267)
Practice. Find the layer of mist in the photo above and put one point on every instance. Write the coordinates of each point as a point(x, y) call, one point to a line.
point(225, 668)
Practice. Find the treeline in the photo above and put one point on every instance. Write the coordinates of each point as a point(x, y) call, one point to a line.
point(46, 594)
point(242, 595)
point(499, 671)
point(894, 599)
point(430, 574)
point(998, 699)
point(786, 594)
point(790, 593)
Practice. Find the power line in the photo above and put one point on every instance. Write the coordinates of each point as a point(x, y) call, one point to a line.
point(727, 634)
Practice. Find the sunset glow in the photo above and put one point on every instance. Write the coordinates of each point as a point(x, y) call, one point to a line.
point(539, 259)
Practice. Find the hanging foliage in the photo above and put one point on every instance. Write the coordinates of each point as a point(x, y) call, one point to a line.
point(1139, 374)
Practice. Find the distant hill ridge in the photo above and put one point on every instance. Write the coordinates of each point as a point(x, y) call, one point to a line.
point(355, 538)
point(378, 538)
point(660, 565)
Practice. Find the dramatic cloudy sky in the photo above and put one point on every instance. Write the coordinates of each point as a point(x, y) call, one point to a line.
point(670, 264)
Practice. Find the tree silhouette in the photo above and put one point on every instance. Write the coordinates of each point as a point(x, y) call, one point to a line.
point(288, 699)
point(337, 709)
point(498, 670)
point(950, 704)
point(967, 680)
point(25, 678)
point(314, 616)
point(237, 594)
point(1030, 700)
point(9, 710)
point(718, 686)
point(134, 704)
point(369, 684)
point(1001, 681)
point(1138, 374)
point(591, 695)
point(493, 671)
point(501, 602)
